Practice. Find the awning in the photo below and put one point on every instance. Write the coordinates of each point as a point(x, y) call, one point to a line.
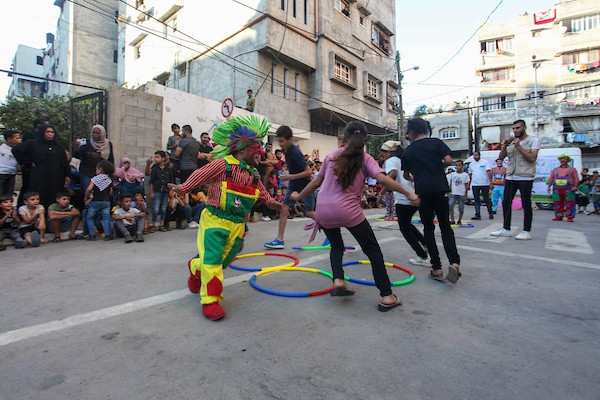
point(490, 134)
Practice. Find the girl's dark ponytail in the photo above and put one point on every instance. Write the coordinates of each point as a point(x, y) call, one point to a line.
point(350, 161)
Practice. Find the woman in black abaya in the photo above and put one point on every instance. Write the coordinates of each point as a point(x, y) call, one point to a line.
point(50, 169)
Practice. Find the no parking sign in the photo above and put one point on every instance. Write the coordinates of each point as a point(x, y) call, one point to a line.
point(227, 107)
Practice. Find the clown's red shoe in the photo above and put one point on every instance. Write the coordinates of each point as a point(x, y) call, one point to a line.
point(213, 311)
point(194, 280)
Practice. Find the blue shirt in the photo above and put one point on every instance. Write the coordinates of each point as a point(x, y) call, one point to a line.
point(296, 164)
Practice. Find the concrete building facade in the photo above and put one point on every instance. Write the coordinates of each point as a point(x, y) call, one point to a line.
point(562, 47)
point(30, 61)
point(84, 49)
point(313, 65)
point(453, 125)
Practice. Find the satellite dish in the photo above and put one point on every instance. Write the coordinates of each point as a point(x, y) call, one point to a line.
point(560, 97)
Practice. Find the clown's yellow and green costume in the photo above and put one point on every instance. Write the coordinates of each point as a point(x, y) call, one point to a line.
point(234, 188)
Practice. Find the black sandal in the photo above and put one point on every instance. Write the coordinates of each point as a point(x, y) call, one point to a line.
point(342, 291)
point(439, 278)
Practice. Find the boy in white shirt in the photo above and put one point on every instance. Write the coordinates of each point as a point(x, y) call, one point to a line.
point(481, 174)
point(128, 220)
point(33, 219)
point(459, 186)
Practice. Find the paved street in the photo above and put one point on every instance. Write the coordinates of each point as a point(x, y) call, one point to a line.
point(96, 320)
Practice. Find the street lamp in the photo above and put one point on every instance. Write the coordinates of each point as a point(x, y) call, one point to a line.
point(536, 65)
point(401, 133)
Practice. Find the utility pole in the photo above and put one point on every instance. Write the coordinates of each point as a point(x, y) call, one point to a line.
point(536, 65)
point(400, 119)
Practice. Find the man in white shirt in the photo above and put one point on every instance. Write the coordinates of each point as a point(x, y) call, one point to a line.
point(481, 173)
point(8, 162)
point(459, 186)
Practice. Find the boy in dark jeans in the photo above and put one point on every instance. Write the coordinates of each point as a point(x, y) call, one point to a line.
point(160, 177)
point(9, 223)
point(62, 215)
point(128, 220)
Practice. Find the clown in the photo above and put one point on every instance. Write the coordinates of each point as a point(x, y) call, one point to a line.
point(235, 186)
point(563, 180)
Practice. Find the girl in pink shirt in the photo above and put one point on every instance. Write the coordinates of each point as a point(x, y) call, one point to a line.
point(341, 181)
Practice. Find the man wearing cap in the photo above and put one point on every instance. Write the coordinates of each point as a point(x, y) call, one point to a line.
point(387, 150)
point(522, 151)
point(563, 180)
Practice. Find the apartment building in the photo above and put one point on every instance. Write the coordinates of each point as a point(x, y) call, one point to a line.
point(312, 64)
point(30, 61)
point(84, 49)
point(555, 53)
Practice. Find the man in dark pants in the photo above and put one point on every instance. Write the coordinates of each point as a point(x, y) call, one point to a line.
point(481, 175)
point(425, 159)
point(26, 166)
point(522, 151)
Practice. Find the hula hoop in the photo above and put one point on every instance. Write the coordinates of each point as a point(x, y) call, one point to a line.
point(320, 248)
point(290, 294)
point(411, 275)
point(292, 264)
point(462, 226)
point(386, 220)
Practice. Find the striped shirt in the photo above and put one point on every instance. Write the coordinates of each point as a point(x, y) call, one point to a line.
point(214, 173)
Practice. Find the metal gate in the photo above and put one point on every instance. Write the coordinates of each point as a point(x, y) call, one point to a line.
point(87, 111)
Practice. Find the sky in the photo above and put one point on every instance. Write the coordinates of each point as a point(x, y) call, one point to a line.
point(428, 33)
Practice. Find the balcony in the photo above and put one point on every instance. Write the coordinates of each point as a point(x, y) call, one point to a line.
point(579, 107)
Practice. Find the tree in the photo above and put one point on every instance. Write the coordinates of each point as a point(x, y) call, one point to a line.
point(20, 112)
point(421, 110)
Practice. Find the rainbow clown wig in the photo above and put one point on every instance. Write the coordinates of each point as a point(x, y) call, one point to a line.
point(237, 133)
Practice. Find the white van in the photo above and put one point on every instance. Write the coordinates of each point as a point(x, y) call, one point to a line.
point(547, 160)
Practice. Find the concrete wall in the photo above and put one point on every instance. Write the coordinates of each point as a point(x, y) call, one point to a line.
point(25, 61)
point(135, 124)
point(456, 119)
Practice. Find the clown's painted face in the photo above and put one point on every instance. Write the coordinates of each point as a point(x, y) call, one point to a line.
point(253, 153)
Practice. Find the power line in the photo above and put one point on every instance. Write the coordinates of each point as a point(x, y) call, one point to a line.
point(465, 43)
point(9, 72)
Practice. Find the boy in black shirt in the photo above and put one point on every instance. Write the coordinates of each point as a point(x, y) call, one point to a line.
point(425, 159)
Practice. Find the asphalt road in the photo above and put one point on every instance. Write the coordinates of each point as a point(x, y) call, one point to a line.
point(108, 320)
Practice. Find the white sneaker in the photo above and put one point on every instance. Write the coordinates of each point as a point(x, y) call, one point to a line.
point(501, 232)
point(423, 262)
point(523, 236)
point(193, 225)
point(266, 218)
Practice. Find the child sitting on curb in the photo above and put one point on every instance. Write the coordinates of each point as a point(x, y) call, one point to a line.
point(128, 220)
point(62, 215)
point(33, 221)
point(9, 223)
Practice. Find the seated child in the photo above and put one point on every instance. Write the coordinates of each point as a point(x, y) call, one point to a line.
point(273, 180)
point(62, 215)
point(267, 213)
point(33, 222)
point(597, 200)
point(198, 199)
point(9, 223)
point(128, 220)
point(139, 202)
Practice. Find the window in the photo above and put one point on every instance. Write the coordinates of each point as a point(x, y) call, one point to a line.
point(283, 4)
point(362, 21)
point(294, 8)
point(449, 133)
point(39, 60)
point(305, 12)
point(502, 74)
point(182, 70)
point(342, 6)
point(286, 88)
point(498, 46)
point(392, 97)
point(497, 103)
point(581, 57)
point(297, 88)
point(372, 87)
point(380, 39)
point(585, 23)
point(343, 72)
point(272, 78)
point(115, 56)
point(587, 91)
point(536, 34)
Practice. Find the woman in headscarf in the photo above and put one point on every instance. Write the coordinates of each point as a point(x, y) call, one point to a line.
point(131, 178)
point(97, 148)
point(49, 165)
